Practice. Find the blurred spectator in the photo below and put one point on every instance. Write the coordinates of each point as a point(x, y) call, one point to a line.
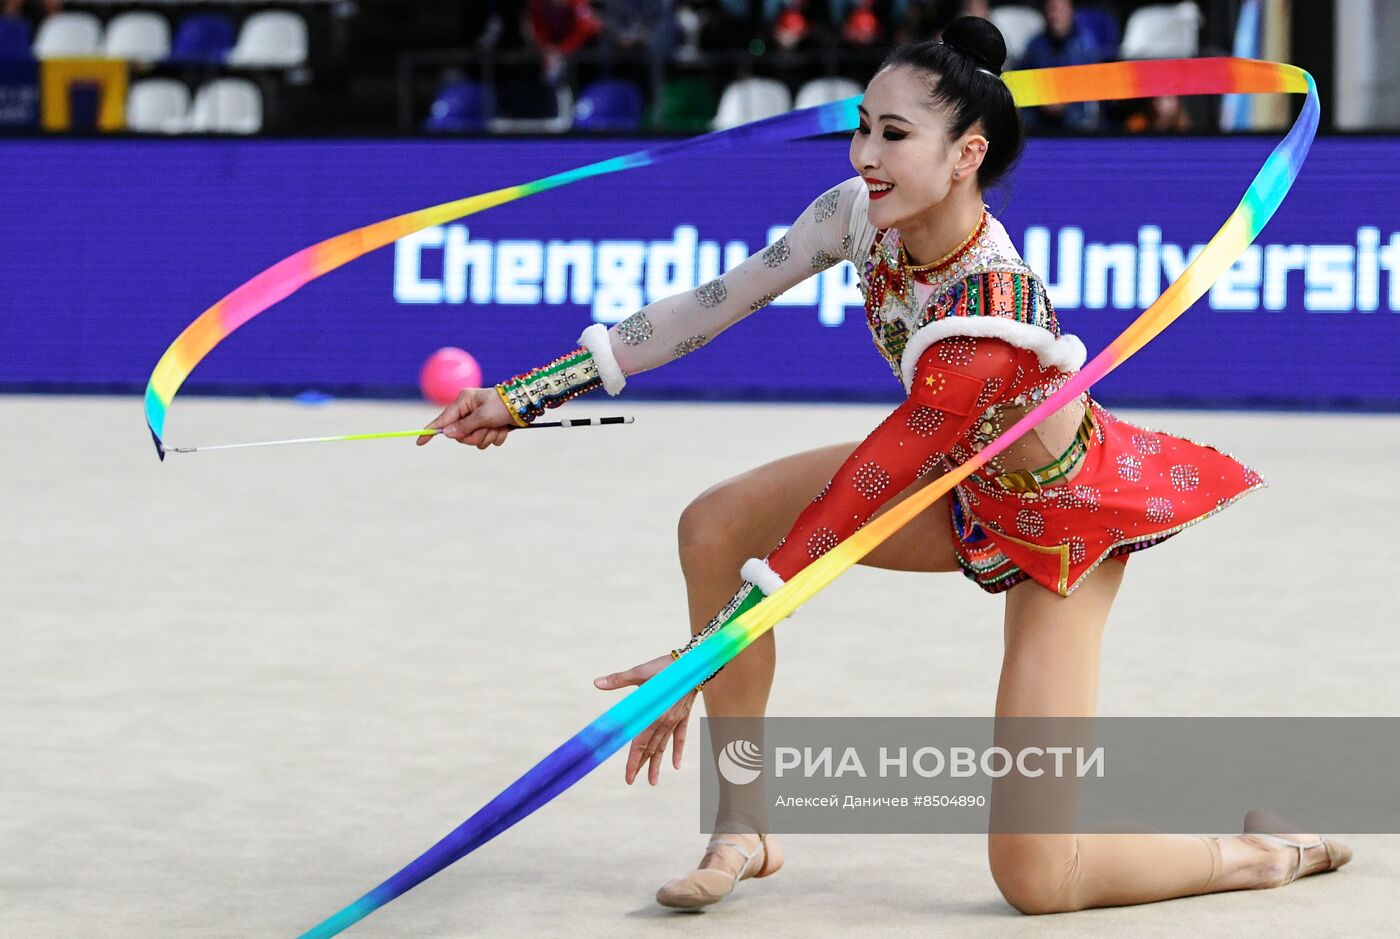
point(43, 7)
point(559, 28)
point(640, 27)
point(862, 27)
point(690, 24)
point(635, 33)
point(1064, 42)
point(926, 19)
point(791, 28)
point(487, 24)
point(1162, 115)
point(712, 24)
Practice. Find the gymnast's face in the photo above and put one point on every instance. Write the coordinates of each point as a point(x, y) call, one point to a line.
point(902, 149)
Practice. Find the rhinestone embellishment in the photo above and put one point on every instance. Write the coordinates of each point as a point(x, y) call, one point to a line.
point(634, 330)
point(711, 294)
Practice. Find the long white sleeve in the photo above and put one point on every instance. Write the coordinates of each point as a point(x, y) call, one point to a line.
point(834, 227)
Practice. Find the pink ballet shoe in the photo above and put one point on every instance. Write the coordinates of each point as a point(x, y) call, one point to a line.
point(705, 887)
point(1261, 823)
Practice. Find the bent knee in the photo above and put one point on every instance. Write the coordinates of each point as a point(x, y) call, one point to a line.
point(1035, 873)
point(715, 526)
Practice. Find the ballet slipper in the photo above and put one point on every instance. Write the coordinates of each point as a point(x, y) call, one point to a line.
point(707, 886)
point(1262, 823)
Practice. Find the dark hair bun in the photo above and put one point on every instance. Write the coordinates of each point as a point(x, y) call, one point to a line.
point(979, 40)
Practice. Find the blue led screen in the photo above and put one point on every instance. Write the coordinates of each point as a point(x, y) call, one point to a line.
point(110, 247)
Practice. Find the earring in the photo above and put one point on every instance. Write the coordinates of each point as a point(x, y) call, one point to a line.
point(957, 175)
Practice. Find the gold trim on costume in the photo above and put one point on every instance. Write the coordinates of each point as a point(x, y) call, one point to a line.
point(1062, 550)
point(948, 258)
point(514, 415)
point(1033, 480)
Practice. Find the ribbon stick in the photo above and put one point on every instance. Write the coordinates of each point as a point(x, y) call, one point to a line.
point(385, 434)
point(620, 723)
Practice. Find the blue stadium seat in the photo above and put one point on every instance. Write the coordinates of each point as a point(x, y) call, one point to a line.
point(203, 39)
point(609, 105)
point(14, 39)
point(460, 106)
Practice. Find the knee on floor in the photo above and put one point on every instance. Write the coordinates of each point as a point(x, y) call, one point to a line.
point(1035, 873)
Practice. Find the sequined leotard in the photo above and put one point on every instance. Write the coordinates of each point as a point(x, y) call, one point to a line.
point(976, 343)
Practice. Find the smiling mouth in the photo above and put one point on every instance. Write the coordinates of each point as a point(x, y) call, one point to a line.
point(878, 189)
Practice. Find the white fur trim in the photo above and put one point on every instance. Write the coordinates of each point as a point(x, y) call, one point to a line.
point(595, 340)
point(1066, 353)
point(757, 572)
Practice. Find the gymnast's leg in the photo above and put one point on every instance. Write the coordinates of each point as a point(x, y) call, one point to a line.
point(1051, 669)
point(745, 517)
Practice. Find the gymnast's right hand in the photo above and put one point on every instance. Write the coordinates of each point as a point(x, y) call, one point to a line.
point(650, 744)
point(478, 417)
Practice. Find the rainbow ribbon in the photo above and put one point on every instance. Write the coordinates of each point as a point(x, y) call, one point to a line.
point(289, 275)
point(595, 743)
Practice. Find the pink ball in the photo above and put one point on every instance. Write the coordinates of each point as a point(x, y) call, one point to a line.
point(448, 371)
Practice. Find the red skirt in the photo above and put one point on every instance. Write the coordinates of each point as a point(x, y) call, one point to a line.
point(1135, 488)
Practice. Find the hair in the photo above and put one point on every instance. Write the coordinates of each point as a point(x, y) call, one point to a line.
point(958, 69)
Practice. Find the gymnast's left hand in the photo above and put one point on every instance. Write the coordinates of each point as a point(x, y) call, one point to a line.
point(650, 744)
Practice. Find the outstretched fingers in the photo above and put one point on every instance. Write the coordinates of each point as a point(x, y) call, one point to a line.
point(678, 741)
point(649, 747)
point(646, 748)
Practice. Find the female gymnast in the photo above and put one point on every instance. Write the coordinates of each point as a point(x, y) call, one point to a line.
point(969, 331)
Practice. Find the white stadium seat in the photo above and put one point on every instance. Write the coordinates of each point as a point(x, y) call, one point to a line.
point(825, 90)
point(69, 36)
point(1163, 31)
point(227, 106)
point(138, 37)
point(1018, 25)
point(751, 99)
point(273, 39)
point(158, 106)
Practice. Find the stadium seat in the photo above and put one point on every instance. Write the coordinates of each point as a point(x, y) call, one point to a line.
point(1163, 31)
point(137, 37)
point(14, 39)
point(273, 39)
point(69, 36)
point(158, 106)
point(204, 39)
point(826, 90)
point(684, 104)
point(227, 106)
point(531, 106)
point(1018, 25)
point(751, 99)
point(609, 104)
point(460, 107)
point(1102, 25)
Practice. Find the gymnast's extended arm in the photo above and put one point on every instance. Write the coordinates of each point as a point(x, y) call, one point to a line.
point(666, 329)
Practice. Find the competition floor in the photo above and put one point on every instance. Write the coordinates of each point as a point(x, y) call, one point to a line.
point(241, 688)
